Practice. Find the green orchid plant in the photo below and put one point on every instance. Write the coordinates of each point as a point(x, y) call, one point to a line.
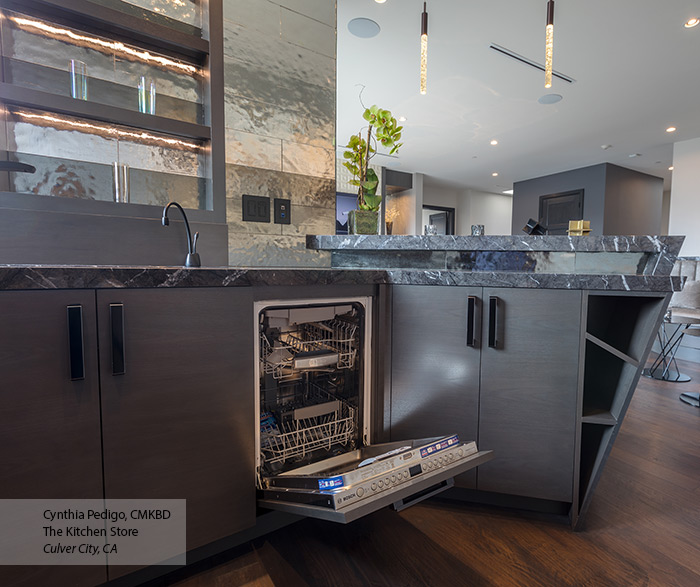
point(383, 129)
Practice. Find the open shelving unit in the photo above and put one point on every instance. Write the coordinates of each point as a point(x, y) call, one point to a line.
point(39, 84)
point(619, 331)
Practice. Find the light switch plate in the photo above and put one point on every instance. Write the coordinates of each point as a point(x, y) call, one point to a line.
point(256, 208)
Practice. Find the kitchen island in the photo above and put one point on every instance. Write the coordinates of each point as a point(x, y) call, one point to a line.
point(537, 365)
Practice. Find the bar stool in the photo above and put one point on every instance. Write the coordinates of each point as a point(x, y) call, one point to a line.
point(683, 318)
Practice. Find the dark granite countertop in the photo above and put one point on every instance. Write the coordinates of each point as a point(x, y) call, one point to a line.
point(23, 277)
point(618, 244)
point(555, 255)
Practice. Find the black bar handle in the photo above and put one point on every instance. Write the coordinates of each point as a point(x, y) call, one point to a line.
point(76, 346)
point(116, 320)
point(471, 320)
point(493, 321)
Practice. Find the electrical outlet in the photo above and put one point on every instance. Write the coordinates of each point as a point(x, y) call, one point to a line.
point(256, 208)
point(283, 212)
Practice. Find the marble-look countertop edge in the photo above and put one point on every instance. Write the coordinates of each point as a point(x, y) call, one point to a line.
point(670, 245)
point(38, 277)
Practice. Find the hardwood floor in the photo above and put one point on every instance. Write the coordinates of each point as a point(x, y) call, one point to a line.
point(643, 526)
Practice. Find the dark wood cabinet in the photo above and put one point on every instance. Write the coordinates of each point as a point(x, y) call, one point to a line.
point(176, 420)
point(528, 397)
point(435, 375)
point(498, 365)
point(49, 423)
point(178, 415)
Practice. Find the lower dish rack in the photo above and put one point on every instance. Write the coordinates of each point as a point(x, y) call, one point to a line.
point(314, 422)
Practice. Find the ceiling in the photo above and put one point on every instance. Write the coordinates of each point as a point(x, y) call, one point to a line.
point(636, 68)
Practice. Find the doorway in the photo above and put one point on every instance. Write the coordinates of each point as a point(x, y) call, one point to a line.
point(441, 217)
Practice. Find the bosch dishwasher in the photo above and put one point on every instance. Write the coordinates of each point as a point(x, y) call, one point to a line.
point(313, 392)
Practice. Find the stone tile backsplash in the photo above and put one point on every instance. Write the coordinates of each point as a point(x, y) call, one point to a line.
point(279, 77)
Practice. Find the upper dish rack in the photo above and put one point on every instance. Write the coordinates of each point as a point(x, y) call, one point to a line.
point(314, 346)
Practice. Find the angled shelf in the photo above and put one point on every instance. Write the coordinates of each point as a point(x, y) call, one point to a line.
point(623, 321)
point(620, 329)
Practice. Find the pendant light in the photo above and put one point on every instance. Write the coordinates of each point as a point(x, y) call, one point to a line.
point(424, 49)
point(549, 45)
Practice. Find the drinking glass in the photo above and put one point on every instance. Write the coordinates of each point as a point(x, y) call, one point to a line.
point(78, 79)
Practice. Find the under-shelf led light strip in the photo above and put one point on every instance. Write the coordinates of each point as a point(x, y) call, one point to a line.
point(96, 42)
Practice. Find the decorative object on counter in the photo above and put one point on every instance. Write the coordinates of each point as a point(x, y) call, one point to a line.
point(382, 129)
point(78, 79)
point(430, 230)
point(147, 95)
point(579, 228)
point(363, 222)
point(477, 230)
point(192, 259)
point(390, 214)
point(534, 228)
point(121, 176)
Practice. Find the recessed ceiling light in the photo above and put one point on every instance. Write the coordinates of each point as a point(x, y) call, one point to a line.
point(550, 98)
point(495, 174)
point(606, 147)
point(363, 28)
point(671, 129)
point(402, 119)
point(670, 168)
point(494, 142)
point(691, 22)
point(508, 192)
point(633, 155)
point(380, 1)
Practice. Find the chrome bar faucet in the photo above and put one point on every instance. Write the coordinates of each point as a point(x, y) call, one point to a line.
point(192, 259)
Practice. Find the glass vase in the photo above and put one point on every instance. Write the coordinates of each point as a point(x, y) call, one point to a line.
point(363, 222)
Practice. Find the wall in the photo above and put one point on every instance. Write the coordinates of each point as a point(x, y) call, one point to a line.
point(406, 208)
point(494, 211)
point(279, 73)
point(526, 195)
point(685, 203)
point(665, 211)
point(471, 207)
point(633, 202)
point(616, 200)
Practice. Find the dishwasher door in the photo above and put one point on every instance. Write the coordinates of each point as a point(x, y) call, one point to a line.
point(356, 483)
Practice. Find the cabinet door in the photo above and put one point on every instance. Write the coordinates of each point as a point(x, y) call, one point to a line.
point(49, 423)
point(529, 379)
point(434, 374)
point(177, 404)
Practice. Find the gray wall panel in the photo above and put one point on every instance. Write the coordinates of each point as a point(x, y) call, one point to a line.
point(526, 195)
point(104, 240)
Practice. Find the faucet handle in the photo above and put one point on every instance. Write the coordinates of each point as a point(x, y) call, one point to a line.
point(194, 242)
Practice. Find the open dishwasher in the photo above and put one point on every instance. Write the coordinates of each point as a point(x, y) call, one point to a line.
point(313, 397)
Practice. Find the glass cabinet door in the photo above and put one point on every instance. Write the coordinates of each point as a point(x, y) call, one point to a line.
point(60, 60)
point(78, 158)
point(101, 116)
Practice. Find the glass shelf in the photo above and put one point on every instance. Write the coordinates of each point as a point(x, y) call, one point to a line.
point(37, 54)
point(76, 158)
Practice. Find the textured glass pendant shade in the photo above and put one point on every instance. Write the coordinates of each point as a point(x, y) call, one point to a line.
point(424, 50)
point(549, 45)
